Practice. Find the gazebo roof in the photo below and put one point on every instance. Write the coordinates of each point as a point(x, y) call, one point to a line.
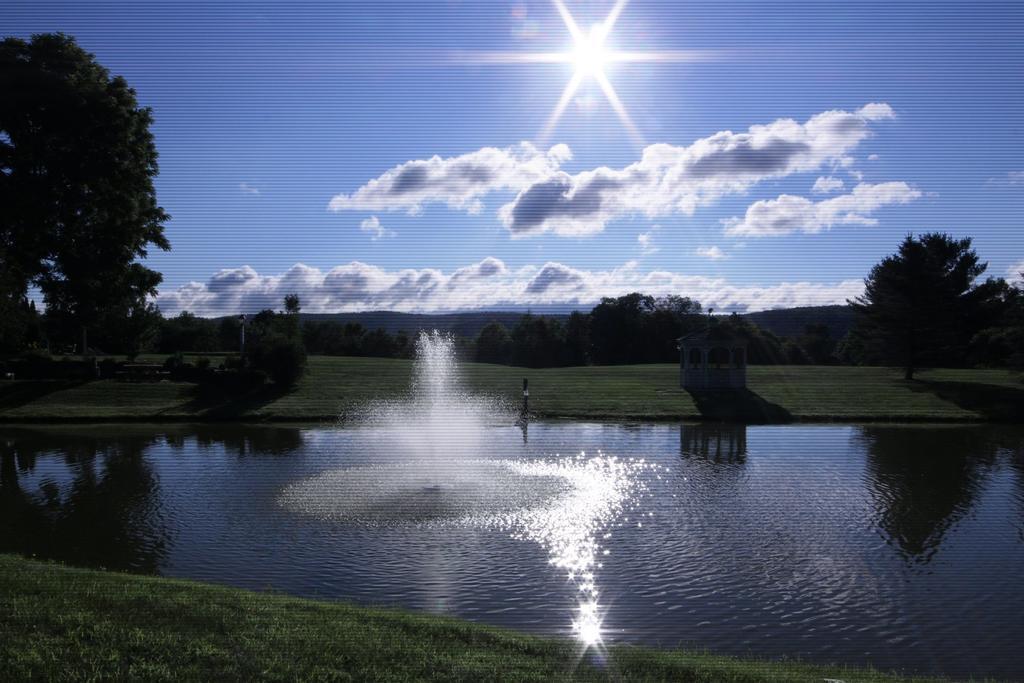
point(716, 334)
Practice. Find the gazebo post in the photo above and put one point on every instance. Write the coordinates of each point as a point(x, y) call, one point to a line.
point(695, 370)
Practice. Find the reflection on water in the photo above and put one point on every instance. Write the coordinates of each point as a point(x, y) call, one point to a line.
point(714, 441)
point(924, 481)
point(574, 527)
point(100, 508)
point(241, 440)
point(565, 504)
point(895, 546)
point(422, 492)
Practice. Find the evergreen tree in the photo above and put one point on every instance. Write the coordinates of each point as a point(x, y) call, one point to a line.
point(919, 304)
point(494, 344)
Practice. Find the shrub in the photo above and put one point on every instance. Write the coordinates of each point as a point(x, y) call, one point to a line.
point(174, 362)
point(282, 358)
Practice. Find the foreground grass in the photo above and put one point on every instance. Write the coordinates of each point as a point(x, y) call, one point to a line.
point(334, 386)
point(76, 624)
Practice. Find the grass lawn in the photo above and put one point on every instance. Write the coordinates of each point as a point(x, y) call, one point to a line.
point(336, 385)
point(75, 624)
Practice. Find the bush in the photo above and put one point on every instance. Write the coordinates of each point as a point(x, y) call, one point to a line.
point(282, 358)
point(174, 362)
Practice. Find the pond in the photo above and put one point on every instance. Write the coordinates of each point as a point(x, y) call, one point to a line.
point(895, 546)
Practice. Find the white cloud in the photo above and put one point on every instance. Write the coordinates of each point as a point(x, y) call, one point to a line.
point(713, 252)
point(646, 241)
point(876, 111)
point(827, 185)
point(787, 213)
point(1015, 273)
point(873, 157)
point(1011, 178)
point(666, 180)
point(459, 182)
point(488, 284)
point(246, 188)
point(373, 225)
point(670, 179)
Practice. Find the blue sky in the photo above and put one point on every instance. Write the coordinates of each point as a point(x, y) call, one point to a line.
point(265, 113)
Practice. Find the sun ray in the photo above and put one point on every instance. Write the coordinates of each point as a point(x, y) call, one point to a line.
point(681, 56)
point(511, 57)
point(570, 23)
point(620, 109)
point(563, 102)
point(590, 55)
point(609, 22)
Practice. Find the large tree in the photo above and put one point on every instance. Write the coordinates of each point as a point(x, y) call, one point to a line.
point(77, 162)
point(638, 328)
point(922, 305)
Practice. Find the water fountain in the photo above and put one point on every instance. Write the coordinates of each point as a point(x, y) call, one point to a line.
point(432, 461)
point(436, 457)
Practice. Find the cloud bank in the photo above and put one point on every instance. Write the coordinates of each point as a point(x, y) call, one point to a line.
point(487, 284)
point(667, 179)
point(787, 213)
point(459, 181)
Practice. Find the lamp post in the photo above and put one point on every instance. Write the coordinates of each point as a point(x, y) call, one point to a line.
point(526, 397)
point(241, 319)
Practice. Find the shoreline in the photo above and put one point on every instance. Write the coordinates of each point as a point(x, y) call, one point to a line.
point(340, 421)
point(116, 625)
point(335, 387)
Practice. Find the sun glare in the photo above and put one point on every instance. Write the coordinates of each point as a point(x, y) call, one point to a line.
point(590, 55)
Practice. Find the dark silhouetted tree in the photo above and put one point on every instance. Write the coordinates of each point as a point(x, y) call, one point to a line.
point(615, 328)
point(1000, 342)
point(577, 339)
point(133, 328)
point(229, 333)
point(292, 308)
point(188, 332)
point(537, 342)
point(494, 344)
point(816, 344)
point(77, 162)
point(920, 304)
point(378, 343)
point(19, 321)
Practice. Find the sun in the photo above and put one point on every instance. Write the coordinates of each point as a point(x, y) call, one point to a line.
point(590, 55)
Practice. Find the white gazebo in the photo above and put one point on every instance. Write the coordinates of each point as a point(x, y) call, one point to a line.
point(712, 359)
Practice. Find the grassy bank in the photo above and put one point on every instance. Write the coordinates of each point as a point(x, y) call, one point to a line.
point(74, 624)
point(334, 386)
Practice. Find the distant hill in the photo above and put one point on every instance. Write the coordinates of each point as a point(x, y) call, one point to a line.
point(462, 324)
point(783, 322)
point(790, 322)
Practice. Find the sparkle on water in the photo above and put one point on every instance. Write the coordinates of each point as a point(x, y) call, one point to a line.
point(435, 470)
